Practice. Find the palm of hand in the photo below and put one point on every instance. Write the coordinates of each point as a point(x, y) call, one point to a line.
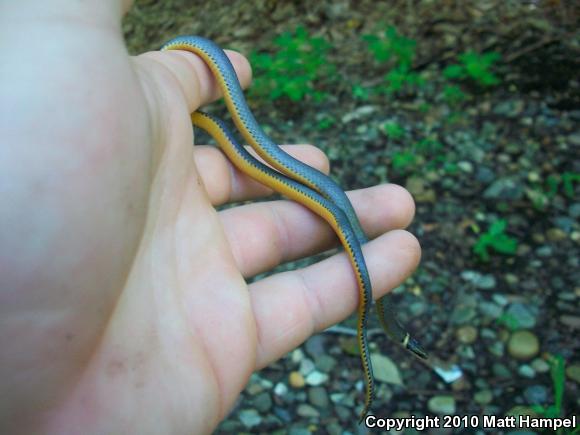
point(145, 319)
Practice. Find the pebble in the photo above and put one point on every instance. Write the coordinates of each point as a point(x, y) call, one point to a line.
point(466, 166)
point(263, 402)
point(466, 334)
point(298, 429)
point(306, 366)
point(509, 108)
point(540, 365)
point(571, 321)
point(484, 174)
point(536, 394)
point(497, 348)
point(463, 314)
point(296, 380)
point(573, 372)
point(315, 346)
point(574, 210)
point(318, 397)
point(281, 389)
point(574, 139)
point(556, 235)
point(480, 281)
point(385, 369)
point(501, 371)
point(325, 363)
point(307, 411)
point(316, 378)
point(523, 345)
point(249, 417)
point(522, 314)
point(526, 371)
point(442, 405)
point(490, 309)
point(504, 188)
point(483, 397)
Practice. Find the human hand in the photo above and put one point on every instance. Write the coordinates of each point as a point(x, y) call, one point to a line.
point(123, 301)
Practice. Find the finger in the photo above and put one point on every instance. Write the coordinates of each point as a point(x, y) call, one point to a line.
point(263, 235)
point(291, 306)
point(224, 183)
point(193, 76)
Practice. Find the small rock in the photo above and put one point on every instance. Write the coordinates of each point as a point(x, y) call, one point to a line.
point(573, 372)
point(540, 365)
point(263, 402)
point(497, 348)
point(442, 405)
point(318, 397)
point(483, 397)
point(574, 210)
point(466, 334)
point(574, 139)
point(462, 314)
point(484, 174)
point(523, 345)
point(316, 378)
point(465, 166)
point(501, 371)
point(556, 235)
point(325, 363)
point(307, 411)
point(281, 389)
point(249, 417)
point(358, 113)
point(571, 321)
point(509, 108)
point(526, 371)
point(385, 369)
point(296, 380)
point(536, 394)
point(315, 345)
point(522, 315)
point(490, 309)
point(504, 188)
point(306, 366)
point(298, 429)
point(297, 356)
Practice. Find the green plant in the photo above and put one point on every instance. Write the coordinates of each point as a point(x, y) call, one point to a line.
point(558, 375)
point(476, 67)
point(360, 92)
point(399, 51)
point(299, 63)
point(402, 161)
point(541, 194)
point(392, 129)
point(495, 239)
point(452, 94)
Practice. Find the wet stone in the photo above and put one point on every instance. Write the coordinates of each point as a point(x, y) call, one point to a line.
point(307, 411)
point(318, 397)
point(483, 397)
point(442, 405)
point(522, 314)
point(490, 309)
point(263, 402)
point(249, 417)
point(325, 363)
point(526, 371)
point(466, 334)
point(536, 394)
point(573, 372)
point(523, 345)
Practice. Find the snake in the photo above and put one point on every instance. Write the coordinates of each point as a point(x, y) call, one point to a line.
point(301, 183)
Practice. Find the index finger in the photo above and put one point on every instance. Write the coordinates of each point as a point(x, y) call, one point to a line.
point(194, 77)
